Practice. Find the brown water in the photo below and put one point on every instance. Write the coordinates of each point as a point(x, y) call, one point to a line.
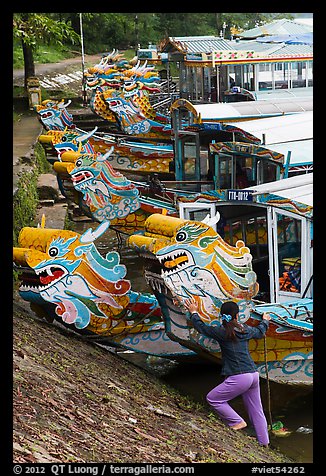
point(292, 406)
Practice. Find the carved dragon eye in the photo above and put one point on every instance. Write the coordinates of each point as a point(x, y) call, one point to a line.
point(64, 139)
point(79, 162)
point(181, 236)
point(53, 251)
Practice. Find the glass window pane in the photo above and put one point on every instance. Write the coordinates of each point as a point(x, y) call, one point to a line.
point(289, 253)
point(265, 76)
point(225, 172)
point(281, 75)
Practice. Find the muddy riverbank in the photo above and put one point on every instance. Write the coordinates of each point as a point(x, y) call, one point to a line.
point(76, 402)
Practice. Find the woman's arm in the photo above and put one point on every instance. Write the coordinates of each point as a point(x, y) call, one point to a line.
point(199, 325)
point(259, 331)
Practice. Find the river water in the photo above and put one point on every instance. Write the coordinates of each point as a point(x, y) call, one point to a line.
point(290, 405)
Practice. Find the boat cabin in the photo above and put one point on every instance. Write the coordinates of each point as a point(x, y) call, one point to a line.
point(235, 146)
point(275, 221)
point(263, 63)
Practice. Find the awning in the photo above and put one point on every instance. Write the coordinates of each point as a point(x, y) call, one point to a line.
point(245, 149)
point(276, 130)
point(244, 110)
point(301, 151)
point(298, 188)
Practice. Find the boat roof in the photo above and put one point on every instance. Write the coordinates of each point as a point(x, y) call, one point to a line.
point(248, 109)
point(298, 188)
point(194, 44)
point(301, 150)
point(292, 93)
point(279, 129)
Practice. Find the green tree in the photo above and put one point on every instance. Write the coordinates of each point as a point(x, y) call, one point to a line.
point(34, 28)
point(244, 21)
point(191, 24)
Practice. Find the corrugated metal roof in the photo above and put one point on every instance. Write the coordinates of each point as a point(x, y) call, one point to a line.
point(277, 27)
point(201, 44)
point(271, 48)
point(253, 45)
point(298, 50)
point(302, 39)
point(208, 44)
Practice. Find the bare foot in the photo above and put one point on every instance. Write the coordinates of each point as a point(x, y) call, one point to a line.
point(239, 426)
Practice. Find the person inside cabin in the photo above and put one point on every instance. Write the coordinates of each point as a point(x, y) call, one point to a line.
point(290, 280)
point(213, 94)
point(232, 82)
point(241, 179)
point(155, 185)
point(241, 375)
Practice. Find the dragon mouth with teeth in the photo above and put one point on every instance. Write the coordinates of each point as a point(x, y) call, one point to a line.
point(81, 176)
point(62, 150)
point(175, 261)
point(42, 278)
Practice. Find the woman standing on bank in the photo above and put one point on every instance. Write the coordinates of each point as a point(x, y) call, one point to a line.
point(241, 375)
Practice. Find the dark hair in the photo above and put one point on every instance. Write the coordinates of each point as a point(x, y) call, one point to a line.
point(230, 308)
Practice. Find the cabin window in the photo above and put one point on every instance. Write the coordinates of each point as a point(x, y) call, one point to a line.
point(298, 74)
point(253, 231)
point(231, 71)
point(265, 77)
point(248, 77)
point(289, 253)
point(224, 175)
point(267, 171)
point(281, 75)
point(189, 160)
point(310, 73)
point(244, 171)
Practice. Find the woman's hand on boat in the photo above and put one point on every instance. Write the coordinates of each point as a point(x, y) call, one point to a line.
point(266, 316)
point(191, 305)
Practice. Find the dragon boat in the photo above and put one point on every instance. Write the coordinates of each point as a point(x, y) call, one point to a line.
point(65, 279)
point(203, 150)
point(120, 94)
point(103, 193)
point(62, 136)
point(188, 258)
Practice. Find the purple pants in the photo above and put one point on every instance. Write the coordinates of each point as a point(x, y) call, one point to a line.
point(246, 385)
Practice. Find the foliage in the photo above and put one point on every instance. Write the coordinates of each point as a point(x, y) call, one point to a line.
point(24, 203)
point(43, 166)
point(104, 31)
point(122, 30)
point(25, 200)
point(33, 28)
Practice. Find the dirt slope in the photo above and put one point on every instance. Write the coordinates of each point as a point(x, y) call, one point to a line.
point(76, 402)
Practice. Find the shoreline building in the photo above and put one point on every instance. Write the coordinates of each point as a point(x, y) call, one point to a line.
point(271, 60)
